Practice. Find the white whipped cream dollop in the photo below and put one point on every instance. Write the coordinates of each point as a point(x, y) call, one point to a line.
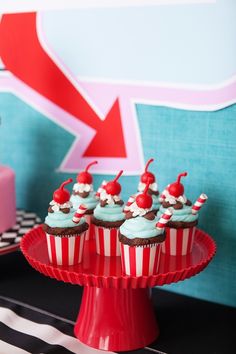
point(111, 199)
point(171, 199)
point(57, 206)
point(153, 187)
point(82, 187)
point(137, 211)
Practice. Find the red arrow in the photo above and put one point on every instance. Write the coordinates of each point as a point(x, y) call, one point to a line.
point(23, 55)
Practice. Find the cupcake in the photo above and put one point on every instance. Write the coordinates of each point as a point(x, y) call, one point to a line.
point(181, 228)
point(83, 193)
point(153, 187)
point(108, 217)
point(141, 236)
point(65, 236)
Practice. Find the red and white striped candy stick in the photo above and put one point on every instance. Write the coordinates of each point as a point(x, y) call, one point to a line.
point(131, 200)
point(97, 195)
point(79, 213)
point(164, 219)
point(199, 203)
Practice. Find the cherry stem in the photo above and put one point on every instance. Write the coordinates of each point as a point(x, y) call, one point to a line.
point(183, 174)
point(89, 165)
point(147, 186)
point(147, 164)
point(118, 176)
point(65, 183)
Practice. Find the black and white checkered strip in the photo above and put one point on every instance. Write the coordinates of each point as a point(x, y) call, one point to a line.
point(10, 240)
point(25, 329)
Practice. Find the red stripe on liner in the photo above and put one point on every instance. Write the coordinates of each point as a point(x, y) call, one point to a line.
point(53, 249)
point(101, 238)
point(179, 241)
point(76, 250)
point(167, 240)
point(156, 260)
point(132, 260)
point(65, 250)
point(146, 260)
point(113, 241)
point(123, 258)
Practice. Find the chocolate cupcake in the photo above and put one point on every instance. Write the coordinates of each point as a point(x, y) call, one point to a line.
point(65, 238)
point(141, 236)
point(108, 217)
point(181, 228)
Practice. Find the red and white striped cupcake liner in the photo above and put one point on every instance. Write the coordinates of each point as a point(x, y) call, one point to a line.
point(178, 242)
point(141, 260)
point(65, 250)
point(89, 235)
point(107, 241)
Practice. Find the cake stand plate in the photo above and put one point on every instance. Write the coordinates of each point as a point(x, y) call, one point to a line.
point(116, 312)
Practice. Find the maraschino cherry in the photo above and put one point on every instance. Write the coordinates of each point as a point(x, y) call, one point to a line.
point(85, 177)
point(148, 175)
point(144, 200)
point(62, 195)
point(177, 189)
point(114, 187)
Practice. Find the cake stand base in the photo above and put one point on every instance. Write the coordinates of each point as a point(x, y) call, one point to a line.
point(116, 319)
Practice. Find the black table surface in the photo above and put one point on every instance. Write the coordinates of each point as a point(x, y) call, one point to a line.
point(187, 325)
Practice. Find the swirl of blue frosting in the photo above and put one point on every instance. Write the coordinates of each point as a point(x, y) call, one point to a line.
point(112, 212)
point(59, 219)
point(140, 227)
point(90, 201)
point(184, 214)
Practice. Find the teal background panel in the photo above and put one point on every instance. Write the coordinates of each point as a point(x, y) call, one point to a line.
point(202, 143)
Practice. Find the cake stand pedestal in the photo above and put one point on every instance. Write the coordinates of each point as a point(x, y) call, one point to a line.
point(116, 312)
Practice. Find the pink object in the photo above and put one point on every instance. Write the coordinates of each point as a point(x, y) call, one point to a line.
point(8, 198)
point(140, 261)
point(107, 291)
point(178, 242)
point(65, 250)
point(199, 203)
point(89, 235)
point(107, 241)
point(79, 213)
point(164, 219)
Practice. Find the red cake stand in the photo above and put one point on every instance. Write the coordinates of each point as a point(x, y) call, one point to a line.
point(116, 312)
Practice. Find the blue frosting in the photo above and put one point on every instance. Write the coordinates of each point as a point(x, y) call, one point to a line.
point(112, 212)
point(184, 214)
point(90, 201)
point(59, 219)
point(140, 227)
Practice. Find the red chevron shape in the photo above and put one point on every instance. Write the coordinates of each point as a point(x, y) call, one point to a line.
point(24, 56)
